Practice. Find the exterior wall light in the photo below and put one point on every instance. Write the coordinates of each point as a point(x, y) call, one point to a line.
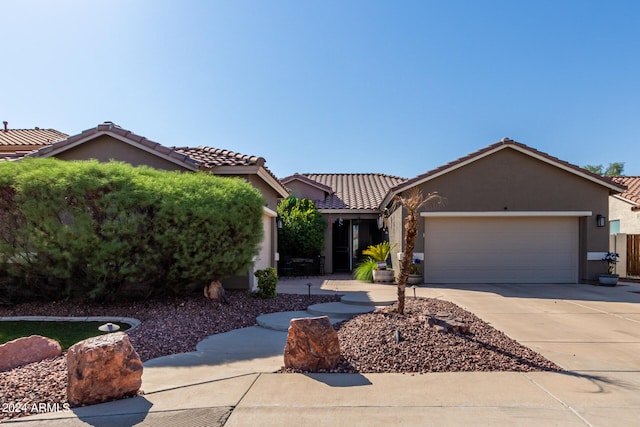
point(601, 220)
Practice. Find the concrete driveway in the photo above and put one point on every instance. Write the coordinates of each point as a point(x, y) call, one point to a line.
point(591, 331)
point(580, 327)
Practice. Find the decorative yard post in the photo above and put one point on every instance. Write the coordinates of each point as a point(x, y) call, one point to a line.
point(413, 202)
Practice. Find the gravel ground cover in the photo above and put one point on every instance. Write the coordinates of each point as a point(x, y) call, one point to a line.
point(368, 342)
point(168, 327)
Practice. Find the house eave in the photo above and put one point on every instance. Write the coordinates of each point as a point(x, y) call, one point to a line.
point(168, 157)
point(507, 214)
point(273, 182)
point(349, 211)
point(260, 171)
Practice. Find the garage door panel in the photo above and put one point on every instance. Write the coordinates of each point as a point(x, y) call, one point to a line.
point(501, 250)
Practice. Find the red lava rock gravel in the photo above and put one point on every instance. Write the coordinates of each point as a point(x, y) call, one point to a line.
point(168, 327)
point(368, 342)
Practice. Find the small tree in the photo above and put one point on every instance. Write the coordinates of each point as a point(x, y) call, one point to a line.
point(412, 203)
point(302, 228)
point(614, 169)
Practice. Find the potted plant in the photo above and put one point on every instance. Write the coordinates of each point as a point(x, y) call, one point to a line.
point(377, 262)
point(610, 279)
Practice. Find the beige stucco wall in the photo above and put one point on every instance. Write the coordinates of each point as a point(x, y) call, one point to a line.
point(509, 180)
point(303, 190)
point(395, 225)
point(621, 210)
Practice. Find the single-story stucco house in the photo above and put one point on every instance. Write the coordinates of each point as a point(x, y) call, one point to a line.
point(624, 226)
point(108, 141)
point(512, 215)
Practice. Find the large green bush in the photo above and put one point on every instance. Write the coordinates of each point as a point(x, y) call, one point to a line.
point(97, 230)
point(302, 228)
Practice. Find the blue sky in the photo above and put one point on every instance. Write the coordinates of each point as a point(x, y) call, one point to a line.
point(397, 87)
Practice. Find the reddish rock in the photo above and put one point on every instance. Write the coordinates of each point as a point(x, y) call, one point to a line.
point(214, 291)
point(312, 345)
point(27, 350)
point(446, 323)
point(102, 368)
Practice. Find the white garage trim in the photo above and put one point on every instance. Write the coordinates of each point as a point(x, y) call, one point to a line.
point(507, 214)
point(269, 212)
point(501, 248)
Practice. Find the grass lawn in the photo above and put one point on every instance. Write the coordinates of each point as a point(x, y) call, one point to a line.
point(65, 332)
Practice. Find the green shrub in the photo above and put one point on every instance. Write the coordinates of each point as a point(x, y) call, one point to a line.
point(267, 282)
point(364, 270)
point(91, 230)
point(302, 228)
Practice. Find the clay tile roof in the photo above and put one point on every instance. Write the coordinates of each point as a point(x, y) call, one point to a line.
point(28, 139)
point(208, 157)
point(354, 191)
point(632, 183)
point(212, 157)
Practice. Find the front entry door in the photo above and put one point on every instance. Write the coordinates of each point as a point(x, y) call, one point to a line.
point(341, 244)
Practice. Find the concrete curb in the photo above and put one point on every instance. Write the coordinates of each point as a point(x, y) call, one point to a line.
point(128, 320)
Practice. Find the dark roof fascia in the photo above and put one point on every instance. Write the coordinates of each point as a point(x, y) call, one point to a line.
point(613, 187)
point(264, 173)
point(347, 211)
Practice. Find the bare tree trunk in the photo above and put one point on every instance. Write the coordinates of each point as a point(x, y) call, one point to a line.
point(411, 229)
point(413, 202)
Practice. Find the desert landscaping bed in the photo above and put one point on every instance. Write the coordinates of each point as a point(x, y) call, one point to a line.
point(368, 342)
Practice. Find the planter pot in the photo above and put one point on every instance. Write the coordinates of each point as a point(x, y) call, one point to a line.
point(414, 279)
point(608, 279)
point(383, 276)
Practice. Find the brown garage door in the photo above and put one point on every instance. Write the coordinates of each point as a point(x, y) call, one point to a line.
point(501, 250)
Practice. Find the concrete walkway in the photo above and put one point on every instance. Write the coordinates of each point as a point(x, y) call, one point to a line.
point(591, 331)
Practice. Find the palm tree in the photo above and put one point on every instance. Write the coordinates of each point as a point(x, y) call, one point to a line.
point(412, 203)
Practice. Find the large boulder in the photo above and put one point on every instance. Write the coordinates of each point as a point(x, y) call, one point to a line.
point(312, 345)
point(27, 350)
point(102, 368)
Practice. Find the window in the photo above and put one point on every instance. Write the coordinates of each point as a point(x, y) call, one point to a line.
point(614, 226)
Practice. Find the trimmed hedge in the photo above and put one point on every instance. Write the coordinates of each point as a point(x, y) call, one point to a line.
point(101, 230)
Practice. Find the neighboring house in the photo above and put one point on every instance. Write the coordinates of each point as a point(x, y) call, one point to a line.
point(108, 141)
point(624, 208)
point(624, 226)
point(512, 215)
point(350, 204)
point(17, 142)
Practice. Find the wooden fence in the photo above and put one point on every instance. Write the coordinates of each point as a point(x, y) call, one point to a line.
point(633, 254)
